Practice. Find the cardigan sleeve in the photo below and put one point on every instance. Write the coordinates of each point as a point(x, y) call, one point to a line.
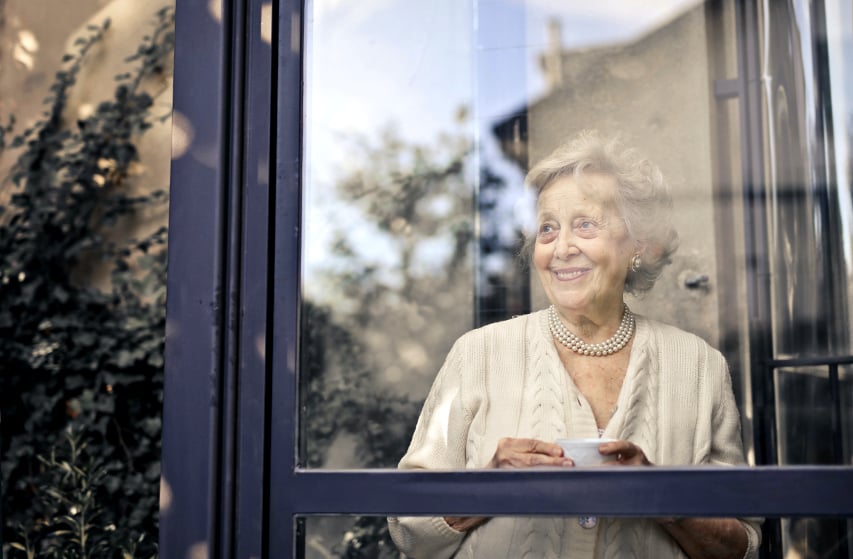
point(438, 443)
point(727, 444)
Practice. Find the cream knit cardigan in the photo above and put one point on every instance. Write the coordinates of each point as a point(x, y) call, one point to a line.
point(507, 380)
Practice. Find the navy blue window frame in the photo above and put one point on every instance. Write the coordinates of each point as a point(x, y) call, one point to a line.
point(231, 422)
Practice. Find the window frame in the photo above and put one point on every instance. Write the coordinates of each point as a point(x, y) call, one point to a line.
point(231, 419)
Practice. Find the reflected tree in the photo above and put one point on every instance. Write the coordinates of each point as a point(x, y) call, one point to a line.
point(378, 319)
point(340, 396)
point(341, 400)
point(395, 288)
point(398, 261)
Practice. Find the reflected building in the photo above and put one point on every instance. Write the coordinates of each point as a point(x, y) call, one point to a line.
point(656, 92)
point(764, 232)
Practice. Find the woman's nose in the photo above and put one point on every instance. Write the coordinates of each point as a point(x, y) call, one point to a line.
point(565, 244)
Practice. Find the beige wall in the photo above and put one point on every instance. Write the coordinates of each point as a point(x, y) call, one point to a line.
point(656, 91)
point(34, 37)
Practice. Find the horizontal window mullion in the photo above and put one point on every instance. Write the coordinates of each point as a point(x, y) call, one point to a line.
point(770, 491)
point(826, 361)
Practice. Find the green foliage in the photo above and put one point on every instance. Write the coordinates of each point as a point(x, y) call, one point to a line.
point(408, 197)
point(411, 194)
point(342, 397)
point(70, 489)
point(72, 356)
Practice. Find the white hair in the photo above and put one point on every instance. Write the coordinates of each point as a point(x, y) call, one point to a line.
point(642, 197)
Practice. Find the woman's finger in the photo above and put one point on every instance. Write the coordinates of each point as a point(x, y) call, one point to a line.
point(625, 453)
point(533, 446)
point(526, 453)
point(465, 523)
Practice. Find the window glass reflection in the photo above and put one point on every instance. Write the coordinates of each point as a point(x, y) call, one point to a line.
point(809, 193)
point(415, 210)
point(389, 223)
point(585, 382)
point(840, 59)
point(421, 122)
point(811, 425)
point(817, 537)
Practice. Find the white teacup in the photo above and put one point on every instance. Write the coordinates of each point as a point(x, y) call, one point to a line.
point(584, 452)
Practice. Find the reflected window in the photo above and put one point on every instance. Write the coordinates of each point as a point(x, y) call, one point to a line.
point(415, 203)
point(422, 120)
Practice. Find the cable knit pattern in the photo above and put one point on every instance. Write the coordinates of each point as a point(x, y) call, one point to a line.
point(542, 538)
point(506, 379)
point(639, 425)
point(542, 418)
point(621, 539)
point(625, 538)
point(545, 383)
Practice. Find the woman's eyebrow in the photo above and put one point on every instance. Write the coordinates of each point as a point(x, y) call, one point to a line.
point(551, 213)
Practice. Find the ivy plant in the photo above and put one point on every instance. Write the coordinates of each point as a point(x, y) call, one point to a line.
point(74, 358)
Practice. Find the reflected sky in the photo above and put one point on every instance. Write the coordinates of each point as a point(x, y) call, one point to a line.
point(840, 41)
point(412, 65)
point(415, 62)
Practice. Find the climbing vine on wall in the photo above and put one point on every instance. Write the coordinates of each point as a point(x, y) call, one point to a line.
point(81, 368)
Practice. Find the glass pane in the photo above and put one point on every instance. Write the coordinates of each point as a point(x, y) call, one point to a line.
point(817, 537)
point(732, 248)
point(415, 163)
point(362, 537)
point(809, 182)
point(840, 53)
point(649, 80)
point(813, 416)
point(415, 207)
point(416, 210)
point(390, 191)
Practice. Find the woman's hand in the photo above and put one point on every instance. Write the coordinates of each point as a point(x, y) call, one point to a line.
point(515, 453)
point(465, 523)
point(626, 453)
point(708, 538)
point(699, 538)
point(528, 453)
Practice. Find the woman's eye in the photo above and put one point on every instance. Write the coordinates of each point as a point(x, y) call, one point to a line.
point(586, 227)
point(547, 229)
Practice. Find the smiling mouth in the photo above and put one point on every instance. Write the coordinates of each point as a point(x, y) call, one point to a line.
point(566, 275)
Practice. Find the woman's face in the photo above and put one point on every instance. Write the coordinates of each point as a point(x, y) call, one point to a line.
point(582, 249)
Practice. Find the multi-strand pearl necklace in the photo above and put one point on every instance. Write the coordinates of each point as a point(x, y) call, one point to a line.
point(607, 347)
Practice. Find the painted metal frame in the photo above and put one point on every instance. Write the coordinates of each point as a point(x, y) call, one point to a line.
point(215, 483)
point(230, 413)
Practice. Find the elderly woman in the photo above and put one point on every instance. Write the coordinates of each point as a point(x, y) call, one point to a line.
point(585, 367)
